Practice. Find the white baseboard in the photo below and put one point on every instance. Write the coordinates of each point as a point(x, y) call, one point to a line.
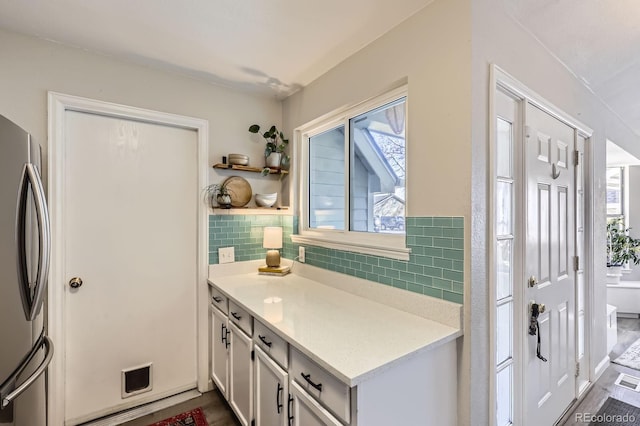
point(602, 365)
point(152, 407)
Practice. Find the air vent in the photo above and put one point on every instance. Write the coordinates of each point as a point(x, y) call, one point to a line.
point(137, 380)
point(629, 382)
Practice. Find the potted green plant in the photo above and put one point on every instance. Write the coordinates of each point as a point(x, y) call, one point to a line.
point(275, 157)
point(621, 249)
point(218, 195)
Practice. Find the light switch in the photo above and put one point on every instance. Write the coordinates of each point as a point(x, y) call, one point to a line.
point(226, 254)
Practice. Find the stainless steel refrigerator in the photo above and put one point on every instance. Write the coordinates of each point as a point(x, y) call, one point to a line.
point(25, 349)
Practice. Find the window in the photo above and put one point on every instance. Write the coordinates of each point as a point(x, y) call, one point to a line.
point(353, 177)
point(616, 192)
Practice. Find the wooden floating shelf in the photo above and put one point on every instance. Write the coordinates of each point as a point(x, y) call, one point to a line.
point(249, 169)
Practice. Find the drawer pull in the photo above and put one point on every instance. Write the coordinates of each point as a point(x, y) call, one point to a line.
point(279, 390)
point(307, 377)
point(236, 316)
point(290, 408)
point(264, 340)
point(217, 299)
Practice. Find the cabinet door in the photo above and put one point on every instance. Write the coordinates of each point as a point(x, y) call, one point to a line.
point(306, 411)
point(219, 350)
point(272, 390)
point(241, 377)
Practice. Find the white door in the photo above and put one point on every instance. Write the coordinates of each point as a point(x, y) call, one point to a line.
point(272, 391)
point(131, 206)
point(220, 350)
point(550, 246)
point(241, 374)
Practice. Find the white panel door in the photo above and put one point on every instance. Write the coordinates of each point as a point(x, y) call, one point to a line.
point(131, 205)
point(241, 374)
point(272, 391)
point(550, 246)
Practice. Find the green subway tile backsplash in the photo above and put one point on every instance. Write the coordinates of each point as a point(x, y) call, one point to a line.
point(435, 267)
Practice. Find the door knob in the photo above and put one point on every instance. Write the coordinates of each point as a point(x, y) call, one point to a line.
point(541, 308)
point(75, 282)
point(532, 281)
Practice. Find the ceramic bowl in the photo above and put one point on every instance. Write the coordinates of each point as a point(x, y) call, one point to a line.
point(266, 200)
point(238, 159)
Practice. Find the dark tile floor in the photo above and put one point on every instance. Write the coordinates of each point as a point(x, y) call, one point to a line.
point(628, 332)
point(216, 410)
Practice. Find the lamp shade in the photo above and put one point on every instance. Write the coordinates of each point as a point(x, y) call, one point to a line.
point(272, 237)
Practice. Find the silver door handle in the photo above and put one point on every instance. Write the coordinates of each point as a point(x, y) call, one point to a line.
point(8, 391)
point(32, 303)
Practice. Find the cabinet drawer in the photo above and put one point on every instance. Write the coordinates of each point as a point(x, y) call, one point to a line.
point(271, 343)
point(241, 318)
point(218, 300)
point(323, 386)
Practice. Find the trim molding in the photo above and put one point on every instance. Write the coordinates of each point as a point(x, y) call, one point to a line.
point(58, 105)
point(390, 252)
point(602, 365)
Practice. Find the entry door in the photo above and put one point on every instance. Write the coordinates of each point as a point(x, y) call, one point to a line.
point(131, 200)
point(549, 272)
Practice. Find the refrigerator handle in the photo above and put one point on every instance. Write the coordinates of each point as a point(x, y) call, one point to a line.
point(8, 391)
point(32, 302)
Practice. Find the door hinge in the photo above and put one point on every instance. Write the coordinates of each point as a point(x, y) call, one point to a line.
point(253, 355)
point(576, 157)
point(577, 369)
point(576, 263)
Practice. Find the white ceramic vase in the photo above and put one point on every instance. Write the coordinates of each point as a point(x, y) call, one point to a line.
point(273, 160)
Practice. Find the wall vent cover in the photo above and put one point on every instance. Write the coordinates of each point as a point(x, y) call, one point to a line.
point(137, 380)
point(629, 382)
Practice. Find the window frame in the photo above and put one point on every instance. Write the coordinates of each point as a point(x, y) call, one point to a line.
point(380, 244)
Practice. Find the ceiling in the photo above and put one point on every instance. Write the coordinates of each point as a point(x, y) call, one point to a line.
point(277, 46)
point(598, 40)
point(274, 47)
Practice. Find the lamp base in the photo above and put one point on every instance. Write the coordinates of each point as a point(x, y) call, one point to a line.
point(273, 258)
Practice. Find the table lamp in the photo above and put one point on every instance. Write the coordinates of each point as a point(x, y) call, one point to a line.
point(272, 241)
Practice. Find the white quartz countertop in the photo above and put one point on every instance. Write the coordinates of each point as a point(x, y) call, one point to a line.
point(352, 337)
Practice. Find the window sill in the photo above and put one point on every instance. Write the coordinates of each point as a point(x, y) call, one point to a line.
point(389, 252)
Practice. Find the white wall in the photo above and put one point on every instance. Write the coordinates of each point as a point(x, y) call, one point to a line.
point(431, 52)
point(31, 67)
point(496, 38)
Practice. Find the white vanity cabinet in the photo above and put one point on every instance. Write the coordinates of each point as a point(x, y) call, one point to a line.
point(272, 391)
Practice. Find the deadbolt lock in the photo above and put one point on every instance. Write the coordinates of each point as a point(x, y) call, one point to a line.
point(532, 281)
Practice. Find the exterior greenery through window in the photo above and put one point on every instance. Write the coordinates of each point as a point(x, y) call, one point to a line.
point(355, 173)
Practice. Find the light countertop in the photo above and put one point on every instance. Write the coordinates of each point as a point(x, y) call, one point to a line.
point(352, 337)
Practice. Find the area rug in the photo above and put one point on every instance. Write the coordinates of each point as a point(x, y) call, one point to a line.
point(616, 413)
point(631, 357)
point(189, 418)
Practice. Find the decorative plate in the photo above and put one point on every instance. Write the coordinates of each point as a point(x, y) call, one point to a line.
point(239, 189)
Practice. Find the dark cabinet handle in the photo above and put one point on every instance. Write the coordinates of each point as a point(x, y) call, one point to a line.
point(236, 316)
point(290, 408)
point(264, 340)
point(217, 299)
point(307, 377)
point(279, 389)
point(225, 335)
